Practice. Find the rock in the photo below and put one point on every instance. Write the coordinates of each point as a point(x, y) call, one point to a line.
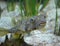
point(50, 6)
point(35, 32)
point(14, 13)
point(50, 10)
point(58, 37)
point(5, 22)
point(3, 5)
point(37, 38)
point(49, 31)
point(50, 44)
point(50, 19)
point(2, 39)
point(57, 44)
point(6, 17)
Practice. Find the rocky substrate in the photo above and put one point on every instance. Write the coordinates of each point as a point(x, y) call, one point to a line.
point(38, 38)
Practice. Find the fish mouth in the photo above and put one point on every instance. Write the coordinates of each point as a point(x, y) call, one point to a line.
point(42, 22)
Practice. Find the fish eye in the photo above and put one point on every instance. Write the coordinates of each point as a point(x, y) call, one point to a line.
point(31, 20)
point(44, 16)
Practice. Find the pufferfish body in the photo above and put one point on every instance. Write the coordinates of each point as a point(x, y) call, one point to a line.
point(26, 25)
point(32, 23)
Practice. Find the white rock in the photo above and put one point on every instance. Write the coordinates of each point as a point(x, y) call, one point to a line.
point(49, 31)
point(2, 39)
point(50, 44)
point(28, 40)
point(40, 38)
point(14, 13)
point(35, 32)
point(50, 24)
point(50, 9)
point(52, 13)
point(3, 5)
point(9, 35)
point(50, 6)
point(5, 22)
point(57, 44)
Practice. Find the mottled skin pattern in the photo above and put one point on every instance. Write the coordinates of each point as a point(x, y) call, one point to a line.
point(29, 24)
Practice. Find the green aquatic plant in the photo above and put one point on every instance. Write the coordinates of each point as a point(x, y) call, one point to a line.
point(0, 11)
point(11, 5)
point(56, 30)
point(58, 4)
point(21, 5)
point(30, 7)
point(44, 3)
